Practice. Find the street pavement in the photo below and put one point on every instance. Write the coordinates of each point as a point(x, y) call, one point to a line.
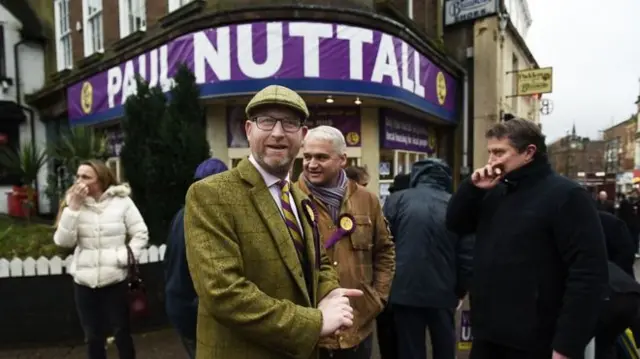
point(161, 344)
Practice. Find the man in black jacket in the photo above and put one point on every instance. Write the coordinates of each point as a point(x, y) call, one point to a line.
point(540, 264)
point(433, 265)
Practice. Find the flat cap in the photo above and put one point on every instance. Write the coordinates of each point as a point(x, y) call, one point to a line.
point(278, 95)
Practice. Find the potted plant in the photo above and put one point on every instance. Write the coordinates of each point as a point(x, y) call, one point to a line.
point(24, 163)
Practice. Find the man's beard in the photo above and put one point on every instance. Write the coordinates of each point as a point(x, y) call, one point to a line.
point(279, 169)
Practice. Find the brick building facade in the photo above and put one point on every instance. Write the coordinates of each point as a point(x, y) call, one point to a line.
point(573, 154)
point(403, 112)
point(620, 149)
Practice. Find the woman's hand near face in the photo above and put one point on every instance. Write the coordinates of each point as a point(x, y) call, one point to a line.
point(77, 194)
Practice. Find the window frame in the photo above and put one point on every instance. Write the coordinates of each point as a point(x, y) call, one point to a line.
point(87, 21)
point(177, 4)
point(64, 57)
point(126, 13)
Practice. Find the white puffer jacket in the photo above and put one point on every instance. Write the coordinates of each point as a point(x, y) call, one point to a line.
point(98, 231)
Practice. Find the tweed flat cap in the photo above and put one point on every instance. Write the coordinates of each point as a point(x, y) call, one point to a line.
point(278, 95)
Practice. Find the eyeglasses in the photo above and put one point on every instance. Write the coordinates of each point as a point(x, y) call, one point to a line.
point(267, 123)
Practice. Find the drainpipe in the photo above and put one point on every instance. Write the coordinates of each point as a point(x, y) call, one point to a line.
point(32, 118)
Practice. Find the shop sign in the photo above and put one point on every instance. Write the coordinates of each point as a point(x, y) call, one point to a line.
point(346, 119)
point(402, 132)
point(534, 82)
point(465, 335)
point(457, 11)
point(305, 56)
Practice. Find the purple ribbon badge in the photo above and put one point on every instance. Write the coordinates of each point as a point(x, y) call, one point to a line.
point(346, 225)
point(312, 214)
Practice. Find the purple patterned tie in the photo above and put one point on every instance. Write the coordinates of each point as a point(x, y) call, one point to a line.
point(290, 220)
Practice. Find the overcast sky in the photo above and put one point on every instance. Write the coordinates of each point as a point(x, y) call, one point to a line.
point(595, 53)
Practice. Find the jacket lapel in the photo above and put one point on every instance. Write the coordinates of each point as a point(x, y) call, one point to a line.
point(309, 239)
point(272, 218)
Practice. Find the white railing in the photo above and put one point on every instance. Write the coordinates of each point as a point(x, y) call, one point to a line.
point(29, 267)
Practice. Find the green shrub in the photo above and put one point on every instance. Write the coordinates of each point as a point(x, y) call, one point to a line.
point(163, 145)
point(20, 239)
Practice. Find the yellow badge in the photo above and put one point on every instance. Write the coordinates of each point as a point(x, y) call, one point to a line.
point(312, 216)
point(346, 223)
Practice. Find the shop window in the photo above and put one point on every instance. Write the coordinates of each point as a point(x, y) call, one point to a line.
point(9, 138)
point(386, 167)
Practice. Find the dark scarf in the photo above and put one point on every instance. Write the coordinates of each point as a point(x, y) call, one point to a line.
point(331, 197)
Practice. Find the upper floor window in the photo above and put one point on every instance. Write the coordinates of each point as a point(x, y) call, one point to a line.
point(176, 4)
point(93, 34)
point(133, 16)
point(64, 52)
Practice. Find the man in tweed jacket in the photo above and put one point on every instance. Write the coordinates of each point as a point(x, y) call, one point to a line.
point(261, 294)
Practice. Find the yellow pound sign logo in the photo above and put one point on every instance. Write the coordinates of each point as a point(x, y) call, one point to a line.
point(441, 88)
point(86, 98)
point(353, 138)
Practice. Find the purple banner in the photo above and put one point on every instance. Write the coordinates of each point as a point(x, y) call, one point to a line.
point(402, 132)
point(307, 56)
point(346, 119)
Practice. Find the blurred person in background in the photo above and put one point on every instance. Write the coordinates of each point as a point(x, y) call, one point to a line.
point(181, 298)
point(358, 174)
point(627, 213)
point(433, 265)
point(97, 219)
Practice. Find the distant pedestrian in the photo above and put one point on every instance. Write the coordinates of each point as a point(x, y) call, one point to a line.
point(540, 272)
point(98, 218)
point(627, 213)
point(604, 204)
point(181, 297)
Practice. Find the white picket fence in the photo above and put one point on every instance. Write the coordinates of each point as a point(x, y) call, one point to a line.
point(42, 266)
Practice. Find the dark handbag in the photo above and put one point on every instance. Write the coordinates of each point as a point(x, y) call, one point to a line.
point(137, 293)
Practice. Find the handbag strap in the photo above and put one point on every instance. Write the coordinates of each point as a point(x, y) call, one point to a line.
point(132, 264)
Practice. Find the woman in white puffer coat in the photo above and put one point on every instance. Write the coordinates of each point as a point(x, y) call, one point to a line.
point(98, 218)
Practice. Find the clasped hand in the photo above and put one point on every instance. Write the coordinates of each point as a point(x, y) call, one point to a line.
point(76, 195)
point(336, 310)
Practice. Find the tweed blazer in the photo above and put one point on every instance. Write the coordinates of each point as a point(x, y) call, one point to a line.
point(253, 300)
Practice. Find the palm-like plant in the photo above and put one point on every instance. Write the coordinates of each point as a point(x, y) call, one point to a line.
point(77, 145)
point(24, 163)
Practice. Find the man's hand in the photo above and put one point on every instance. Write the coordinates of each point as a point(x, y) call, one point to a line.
point(343, 292)
point(487, 177)
point(336, 311)
point(557, 355)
